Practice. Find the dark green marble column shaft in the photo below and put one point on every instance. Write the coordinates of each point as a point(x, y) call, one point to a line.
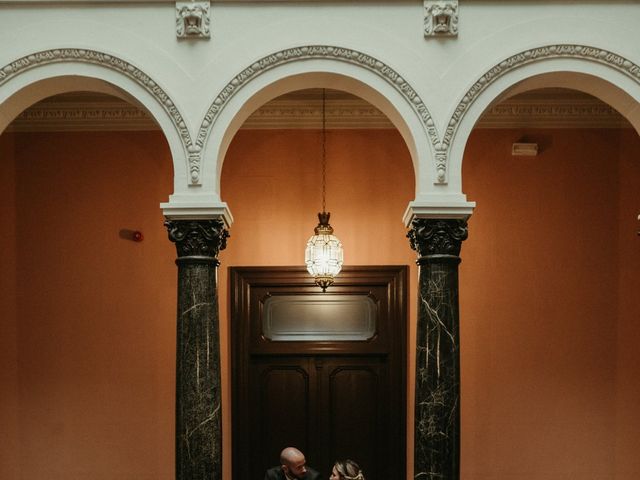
point(198, 396)
point(437, 410)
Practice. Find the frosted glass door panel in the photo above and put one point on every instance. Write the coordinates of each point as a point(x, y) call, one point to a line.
point(299, 318)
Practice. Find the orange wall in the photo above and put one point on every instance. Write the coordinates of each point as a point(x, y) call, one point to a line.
point(539, 305)
point(549, 288)
point(95, 312)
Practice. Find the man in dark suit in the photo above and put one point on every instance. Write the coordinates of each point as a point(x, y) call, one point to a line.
point(293, 466)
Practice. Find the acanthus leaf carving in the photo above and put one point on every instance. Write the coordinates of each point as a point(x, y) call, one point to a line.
point(197, 239)
point(437, 236)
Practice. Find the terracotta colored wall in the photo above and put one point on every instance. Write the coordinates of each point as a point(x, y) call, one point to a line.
point(10, 450)
point(95, 312)
point(548, 291)
point(543, 368)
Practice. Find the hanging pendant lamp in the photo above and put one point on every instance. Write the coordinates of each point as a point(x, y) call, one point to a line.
point(323, 254)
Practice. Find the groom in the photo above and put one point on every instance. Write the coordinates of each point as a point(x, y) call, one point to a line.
point(293, 466)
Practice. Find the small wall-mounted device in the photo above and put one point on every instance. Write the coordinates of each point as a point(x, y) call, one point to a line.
point(134, 235)
point(520, 149)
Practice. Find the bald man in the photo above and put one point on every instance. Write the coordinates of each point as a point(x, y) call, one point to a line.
point(293, 466)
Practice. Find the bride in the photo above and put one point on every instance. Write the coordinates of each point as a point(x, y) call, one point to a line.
point(346, 470)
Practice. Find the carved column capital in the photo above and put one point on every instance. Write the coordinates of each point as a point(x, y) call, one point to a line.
point(437, 238)
point(197, 240)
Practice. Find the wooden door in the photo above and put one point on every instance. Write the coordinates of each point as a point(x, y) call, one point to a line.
point(334, 388)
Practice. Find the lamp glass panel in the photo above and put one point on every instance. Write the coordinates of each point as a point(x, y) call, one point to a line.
point(323, 255)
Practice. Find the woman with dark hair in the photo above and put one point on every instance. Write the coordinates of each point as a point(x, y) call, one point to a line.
point(346, 470)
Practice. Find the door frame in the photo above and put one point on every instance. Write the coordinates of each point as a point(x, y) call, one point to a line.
point(243, 279)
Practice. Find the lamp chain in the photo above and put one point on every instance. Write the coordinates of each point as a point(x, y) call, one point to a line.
point(324, 150)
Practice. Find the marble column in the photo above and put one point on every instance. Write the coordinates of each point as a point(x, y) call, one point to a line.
point(437, 409)
point(198, 399)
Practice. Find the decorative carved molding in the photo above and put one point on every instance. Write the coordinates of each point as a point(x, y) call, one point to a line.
point(440, 18)
point(82, 112)
point(317, 51)
point(76, 116)
point(344, 113)
point(581, 52)
point(572, 112)
point(192, 19)
point(441, 147)
point(197, 240)
point(112, 62)
point(438, 237)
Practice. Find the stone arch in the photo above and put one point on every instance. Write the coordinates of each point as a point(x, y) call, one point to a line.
point(593, 70)
point(317, 65)
point(43, 73)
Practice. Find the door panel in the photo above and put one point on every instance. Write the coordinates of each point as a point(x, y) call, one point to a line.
point(356, 399)
point(330, 397)
point(281, 389)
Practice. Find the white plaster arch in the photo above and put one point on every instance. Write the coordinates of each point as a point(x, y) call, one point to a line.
point(599, 72)
point(318, 66)
point(263, 91)
point(45, 73)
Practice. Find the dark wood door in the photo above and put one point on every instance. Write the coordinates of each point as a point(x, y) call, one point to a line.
point(335, 392)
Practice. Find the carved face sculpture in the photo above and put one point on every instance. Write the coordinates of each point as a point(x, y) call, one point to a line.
point(192, 20)
point(442, 18)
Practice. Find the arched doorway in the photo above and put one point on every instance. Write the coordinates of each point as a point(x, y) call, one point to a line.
point(271, 176)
